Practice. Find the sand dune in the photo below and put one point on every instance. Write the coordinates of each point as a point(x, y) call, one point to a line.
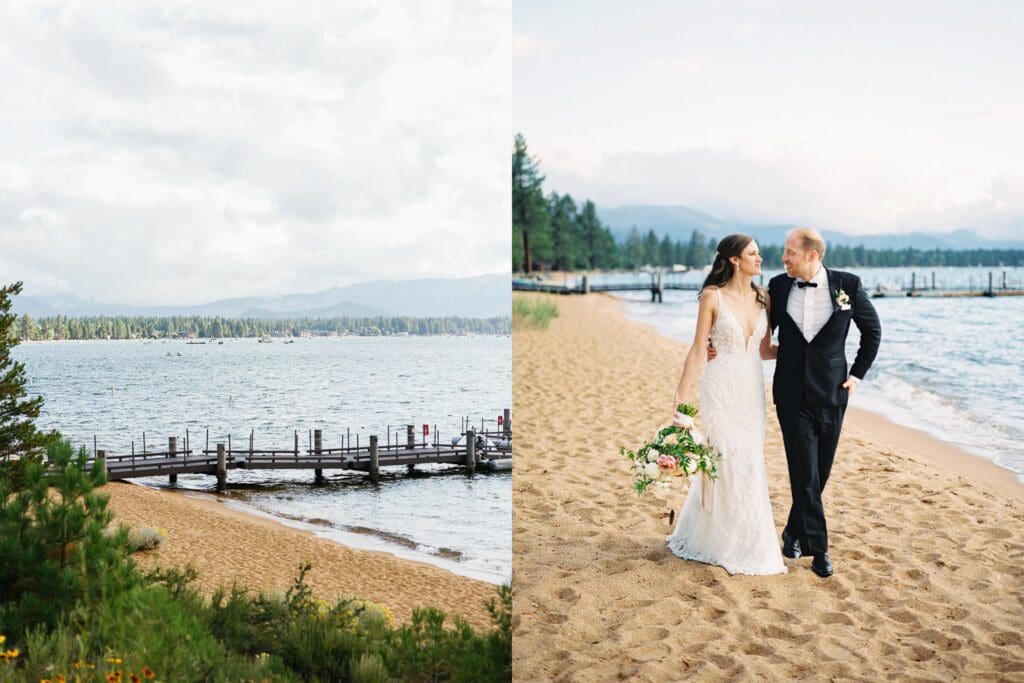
point(228, 546)
point(929, 581)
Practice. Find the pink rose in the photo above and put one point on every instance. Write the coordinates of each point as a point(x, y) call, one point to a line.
point(666, 463)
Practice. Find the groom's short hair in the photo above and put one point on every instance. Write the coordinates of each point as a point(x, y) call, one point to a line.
point(810, 239)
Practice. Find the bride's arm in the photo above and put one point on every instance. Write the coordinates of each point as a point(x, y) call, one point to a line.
point(768, 350)
point(705, 317)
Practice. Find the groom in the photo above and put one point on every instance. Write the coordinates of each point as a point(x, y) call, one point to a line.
point(812, 307)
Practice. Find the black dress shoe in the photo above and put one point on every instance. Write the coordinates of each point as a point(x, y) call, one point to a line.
point(790, 546)
point(822, 566)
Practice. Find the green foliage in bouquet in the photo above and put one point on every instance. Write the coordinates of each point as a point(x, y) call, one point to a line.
point(674, 451)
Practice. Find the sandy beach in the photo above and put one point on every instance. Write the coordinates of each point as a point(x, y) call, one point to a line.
point(227, 545)
point(927, 541)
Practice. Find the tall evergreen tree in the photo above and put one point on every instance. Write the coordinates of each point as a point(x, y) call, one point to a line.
point(651, 249)
point(566, 243)
point(634, 249)
point(665, 252)
point(531, 229)
point(18, 433)
point(590, 230)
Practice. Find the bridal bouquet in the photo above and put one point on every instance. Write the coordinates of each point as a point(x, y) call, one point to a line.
point(677, 450)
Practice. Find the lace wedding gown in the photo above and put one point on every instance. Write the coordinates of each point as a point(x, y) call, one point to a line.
point(733, 528)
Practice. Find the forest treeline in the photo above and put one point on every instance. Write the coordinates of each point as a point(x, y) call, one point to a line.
point(554, 232)
point(164, 327)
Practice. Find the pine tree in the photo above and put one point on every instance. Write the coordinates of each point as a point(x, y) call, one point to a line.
point(18, 433)
point(531, 229)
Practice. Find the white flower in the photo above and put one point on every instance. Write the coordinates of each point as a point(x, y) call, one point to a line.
point(698, 436)
point(651, 470)
point(683, 420)
point(691, 467)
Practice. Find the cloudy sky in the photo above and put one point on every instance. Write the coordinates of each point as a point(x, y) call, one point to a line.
point(181, 152)
point(865, 117)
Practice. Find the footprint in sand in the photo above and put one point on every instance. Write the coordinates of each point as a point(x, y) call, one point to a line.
point(722, 661)
point(837, 618)
point(918, 653)
point(998, 534)
point(1004, 638)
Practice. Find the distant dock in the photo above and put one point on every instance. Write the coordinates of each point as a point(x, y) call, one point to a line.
point(994, 285)
point(485, 449)
point(657, 282)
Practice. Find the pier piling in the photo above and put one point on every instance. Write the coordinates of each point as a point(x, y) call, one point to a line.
point(172, 449)
point(318, 446)
point(470, 452)
point(101, 458)
point(374, 460)
point(508, 422)
point(410, 443)
point(222, 467)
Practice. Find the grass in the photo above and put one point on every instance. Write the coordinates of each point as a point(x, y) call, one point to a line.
point(533, 311)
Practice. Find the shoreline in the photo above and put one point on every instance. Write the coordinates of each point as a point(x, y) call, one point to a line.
point(928, 581)
point(937, 452)
point(349, 539)
point(227, 545)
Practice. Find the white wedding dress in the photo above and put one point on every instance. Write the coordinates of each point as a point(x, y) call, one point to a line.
point(733, 526)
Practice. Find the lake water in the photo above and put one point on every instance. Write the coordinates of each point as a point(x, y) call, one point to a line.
point(115, 390)
point(952, 367)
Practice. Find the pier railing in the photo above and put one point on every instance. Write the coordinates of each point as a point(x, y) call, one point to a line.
point(994, 283)
point(470, 449)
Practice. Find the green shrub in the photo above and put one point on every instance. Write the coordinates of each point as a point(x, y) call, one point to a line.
point(533, 311)
point(54, 552)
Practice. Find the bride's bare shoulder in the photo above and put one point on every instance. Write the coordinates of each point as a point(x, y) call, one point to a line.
point(709, 297)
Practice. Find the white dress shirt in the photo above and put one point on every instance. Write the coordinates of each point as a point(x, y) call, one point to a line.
point(811, 307)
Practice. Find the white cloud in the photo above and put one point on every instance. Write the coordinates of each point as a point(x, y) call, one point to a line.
point(184, 152)
point(868, 192)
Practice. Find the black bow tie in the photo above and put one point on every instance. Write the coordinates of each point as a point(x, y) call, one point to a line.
point(801, 285)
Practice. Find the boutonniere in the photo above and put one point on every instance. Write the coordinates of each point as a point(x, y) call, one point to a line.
point(843, 300)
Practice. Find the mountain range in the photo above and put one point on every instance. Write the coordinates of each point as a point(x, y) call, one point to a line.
point(679, 222)
point(484, 296)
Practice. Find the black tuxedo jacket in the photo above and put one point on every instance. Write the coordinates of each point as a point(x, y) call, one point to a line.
point(812, 372)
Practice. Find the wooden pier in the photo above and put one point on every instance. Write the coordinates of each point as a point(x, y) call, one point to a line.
point(993, 286)
point(657, 282)
point(484, 449)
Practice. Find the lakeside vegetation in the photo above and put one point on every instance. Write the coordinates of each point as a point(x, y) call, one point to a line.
point(555, 232)
point(75, 606)
point(533, 312)
point(204, 327)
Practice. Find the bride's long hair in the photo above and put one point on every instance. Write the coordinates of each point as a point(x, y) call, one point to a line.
point(722, 269)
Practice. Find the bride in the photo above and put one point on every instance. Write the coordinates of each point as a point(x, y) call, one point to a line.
point(728, 521)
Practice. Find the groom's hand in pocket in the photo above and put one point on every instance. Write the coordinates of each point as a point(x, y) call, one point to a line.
point(850, 384)
point(711, 350)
